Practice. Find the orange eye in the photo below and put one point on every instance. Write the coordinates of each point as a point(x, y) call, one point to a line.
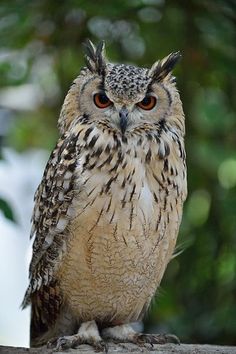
point(101, 100)
point(147, 103)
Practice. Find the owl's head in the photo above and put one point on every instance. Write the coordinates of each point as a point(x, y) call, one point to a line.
point(124, 97)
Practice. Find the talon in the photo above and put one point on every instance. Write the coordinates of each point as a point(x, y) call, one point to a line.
point(101, 347)
point(171, 338)
point(88, 334)
point(64, 343)
point(141, 339)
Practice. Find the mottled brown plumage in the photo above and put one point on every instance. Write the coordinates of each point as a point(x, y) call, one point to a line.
point(109, 206)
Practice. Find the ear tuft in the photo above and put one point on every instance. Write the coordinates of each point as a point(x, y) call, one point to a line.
point(162, 68)
point(95, 57)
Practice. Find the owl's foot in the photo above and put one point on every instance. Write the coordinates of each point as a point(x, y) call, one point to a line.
point(88, 334)
point(155, 339)
point(125, 333)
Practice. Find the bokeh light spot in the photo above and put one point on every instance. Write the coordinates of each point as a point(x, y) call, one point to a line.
point(227, 173)
point(198, 207)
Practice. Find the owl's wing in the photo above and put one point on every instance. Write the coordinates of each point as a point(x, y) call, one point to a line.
point(54, 208)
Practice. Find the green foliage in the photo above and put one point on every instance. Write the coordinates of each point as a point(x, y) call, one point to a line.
point(6, 209)
point(41, 45)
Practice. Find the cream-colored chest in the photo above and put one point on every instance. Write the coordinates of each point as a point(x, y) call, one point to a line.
point(121, 238)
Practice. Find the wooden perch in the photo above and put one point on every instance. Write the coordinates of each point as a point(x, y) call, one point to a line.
point(130, 348)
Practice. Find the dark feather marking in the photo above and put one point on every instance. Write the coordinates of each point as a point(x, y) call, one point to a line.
point(124, 165)
point(98, 152)
point(89, 66)
point(176, 201)
point(115, 232)
point(144, 225)
point(158, 220)
point(108, 184)
point(123, 201)
point(90, 247)
point(113, 169)
point(89, 50)
point(112, 217)
point(91, 203)
point(168, 94)
point(131, 216)
point(45, 309)
point(97, 221)
point(139, 194)
point(148, 156)
point(107, 149)
point(180, 148)
point(95, 56)
point(123, 183)
point(168, 218)
point(162, 124)
point(100, 59)
point(87, 133)
point(130, 175)
point(124, 240)
point(84, 208)
point(177, 189)
point(166, 167)
point(101, 87)
point(158, 181)
point(155, 197)
point(109, 204)
point(71, 167)
point(107, 161)
point(163, 177)
point(84, 119)
point(93, 141)
point(165, 66)
point(145, 234)
point(86, 180)
point(149, 90)
point(161, 237)
point(139, 141)
point(88, 194)
point(132, 193)
point(118, 162)
point(165, 203)
point(117, 141)
point(91, 167)
point(124, 139)
point(167, 149)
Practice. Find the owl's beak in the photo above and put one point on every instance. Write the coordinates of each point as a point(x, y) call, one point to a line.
point(123, 113)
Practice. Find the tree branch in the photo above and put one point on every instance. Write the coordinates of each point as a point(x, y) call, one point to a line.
point(130, 348)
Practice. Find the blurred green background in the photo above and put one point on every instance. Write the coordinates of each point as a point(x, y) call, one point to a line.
point(41, 54)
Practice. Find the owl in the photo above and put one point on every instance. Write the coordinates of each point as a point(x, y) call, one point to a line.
point(109, 206)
